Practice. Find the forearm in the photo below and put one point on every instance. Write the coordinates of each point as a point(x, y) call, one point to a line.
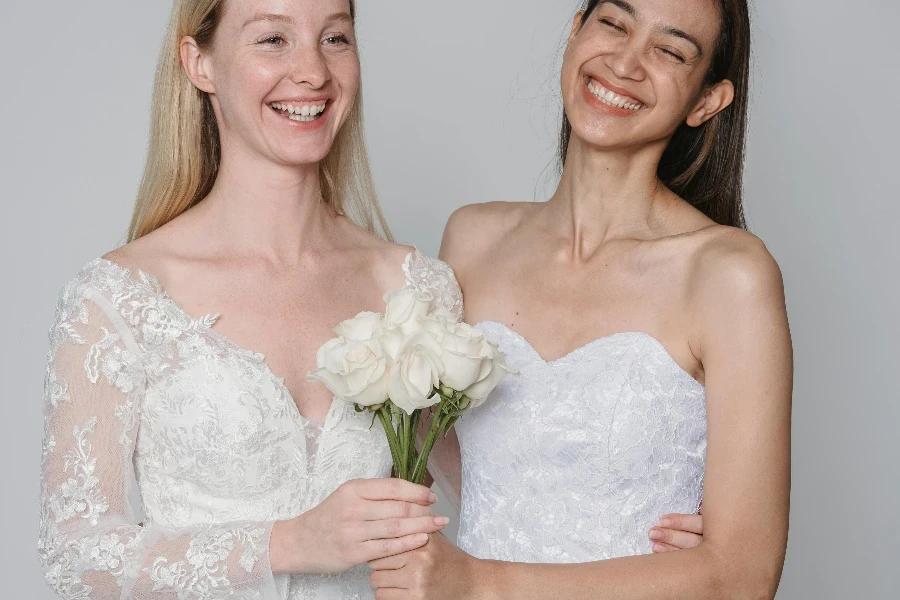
point(697, 574)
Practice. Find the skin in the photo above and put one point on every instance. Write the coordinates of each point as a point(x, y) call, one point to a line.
point(623, 252)
point(265, 252)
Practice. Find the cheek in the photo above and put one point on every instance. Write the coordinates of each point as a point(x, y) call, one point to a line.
point(346, 70)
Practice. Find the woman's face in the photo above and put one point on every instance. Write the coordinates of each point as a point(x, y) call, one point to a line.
point(283, 76)
point(635, 71)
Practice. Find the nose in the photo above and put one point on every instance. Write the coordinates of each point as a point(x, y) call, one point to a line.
point(625, 62)
point(310, 68)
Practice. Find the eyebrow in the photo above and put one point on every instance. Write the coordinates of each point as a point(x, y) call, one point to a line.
point(268, 17)
point(673, 31)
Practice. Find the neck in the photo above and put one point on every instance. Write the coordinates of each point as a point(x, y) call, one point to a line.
point(606, 195)
point(259, 208)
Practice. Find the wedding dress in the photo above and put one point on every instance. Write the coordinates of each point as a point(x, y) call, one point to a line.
point(140, 392)
point(575, 460)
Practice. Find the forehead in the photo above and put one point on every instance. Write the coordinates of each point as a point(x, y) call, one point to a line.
point(239, 11)
point(700, 18)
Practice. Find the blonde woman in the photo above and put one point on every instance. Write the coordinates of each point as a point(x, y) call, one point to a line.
point(255, 231)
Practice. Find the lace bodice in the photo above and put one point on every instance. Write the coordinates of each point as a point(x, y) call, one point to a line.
point(138, 391)
point(575, 460)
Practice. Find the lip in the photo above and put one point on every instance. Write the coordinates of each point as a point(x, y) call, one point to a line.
point(297, 100)
point(616, 89)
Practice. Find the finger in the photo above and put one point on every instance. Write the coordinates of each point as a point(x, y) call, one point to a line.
point(375, 549)
point(398, 528)
point(393, 509)
point(396, 489)
point(680, 539)
point(388, 579)
point(391, 563)
point(391, 594)
point(660, 548)
point(689, 523)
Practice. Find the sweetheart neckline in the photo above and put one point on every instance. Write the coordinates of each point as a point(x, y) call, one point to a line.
point(596, 342)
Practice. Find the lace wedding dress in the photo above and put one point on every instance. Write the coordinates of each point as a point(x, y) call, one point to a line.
point(575, 460)
point(138, 391)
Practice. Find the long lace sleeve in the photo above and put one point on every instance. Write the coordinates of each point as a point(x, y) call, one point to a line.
point(91, 545)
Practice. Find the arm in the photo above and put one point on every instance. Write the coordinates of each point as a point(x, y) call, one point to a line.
point(91, 545)
point(743, 341)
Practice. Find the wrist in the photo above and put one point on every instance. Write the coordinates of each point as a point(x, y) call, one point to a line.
point(285, 553)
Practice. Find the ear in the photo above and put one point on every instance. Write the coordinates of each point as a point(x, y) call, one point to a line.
point(197, 65)
point(577, 22)
point(715, 99)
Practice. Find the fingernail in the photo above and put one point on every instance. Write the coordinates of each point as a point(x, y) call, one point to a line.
point(422, 537)
point(656, 534)
point(441, 521)
point(433, 498)
point(665, 522)
point(658, 548)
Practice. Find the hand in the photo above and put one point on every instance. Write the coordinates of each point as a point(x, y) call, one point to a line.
point(677, 532)
point(437, 571)
point(361, 521)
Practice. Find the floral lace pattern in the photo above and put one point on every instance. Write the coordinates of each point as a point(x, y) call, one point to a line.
point(575, 460)
point(138, 390)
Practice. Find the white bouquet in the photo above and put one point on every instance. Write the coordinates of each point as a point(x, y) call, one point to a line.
point(414, 357)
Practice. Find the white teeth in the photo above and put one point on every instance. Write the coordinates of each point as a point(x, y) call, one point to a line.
point(302, 113)
point(608, 97)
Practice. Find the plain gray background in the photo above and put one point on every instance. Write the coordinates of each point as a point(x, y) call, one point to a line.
point(462, 107)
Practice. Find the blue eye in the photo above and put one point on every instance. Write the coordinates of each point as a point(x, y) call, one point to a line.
point(275, 40)
point(336, 39)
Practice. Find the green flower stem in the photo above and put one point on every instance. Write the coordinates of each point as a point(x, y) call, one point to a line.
point(384, 415)
point(435, 431)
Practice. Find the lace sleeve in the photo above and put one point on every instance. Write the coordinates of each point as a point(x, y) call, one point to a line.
point(424, 273)
point(91, 545)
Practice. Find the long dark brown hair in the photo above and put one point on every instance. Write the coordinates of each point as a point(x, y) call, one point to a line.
point(705, 165)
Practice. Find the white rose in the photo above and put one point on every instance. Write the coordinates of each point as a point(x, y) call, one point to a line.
point(464, 352)
point(405, 308)
point(361, 327)
point(492, 372)
point(354, 370)
point(416, 373)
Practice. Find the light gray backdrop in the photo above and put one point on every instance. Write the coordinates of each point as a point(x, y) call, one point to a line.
point(461, 104)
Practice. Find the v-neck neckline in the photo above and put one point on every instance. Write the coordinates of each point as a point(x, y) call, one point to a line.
point(208, 321)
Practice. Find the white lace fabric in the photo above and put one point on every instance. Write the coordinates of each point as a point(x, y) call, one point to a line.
point(138, 391)
point(575, 460)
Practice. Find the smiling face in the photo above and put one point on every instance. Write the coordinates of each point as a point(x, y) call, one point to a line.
point(282, 76)
point(636, 70)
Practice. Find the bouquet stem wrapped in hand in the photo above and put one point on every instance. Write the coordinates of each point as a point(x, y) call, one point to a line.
point(414, 358)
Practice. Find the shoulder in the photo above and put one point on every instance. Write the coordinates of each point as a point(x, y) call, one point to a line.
point(734, 259)
point(476, 228)
point(493, 218)
point(733, 277)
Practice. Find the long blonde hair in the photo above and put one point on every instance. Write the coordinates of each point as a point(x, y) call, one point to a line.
point(184, 153)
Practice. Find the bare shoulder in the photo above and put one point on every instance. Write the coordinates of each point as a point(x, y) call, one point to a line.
point(154, 253)
point(475, 228)
point(732, 269)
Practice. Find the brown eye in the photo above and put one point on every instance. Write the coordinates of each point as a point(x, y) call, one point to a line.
point(674, 55)
point(612, 25)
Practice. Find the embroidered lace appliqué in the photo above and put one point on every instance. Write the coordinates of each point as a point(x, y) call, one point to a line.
point(575, 460)
point(137, 389)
